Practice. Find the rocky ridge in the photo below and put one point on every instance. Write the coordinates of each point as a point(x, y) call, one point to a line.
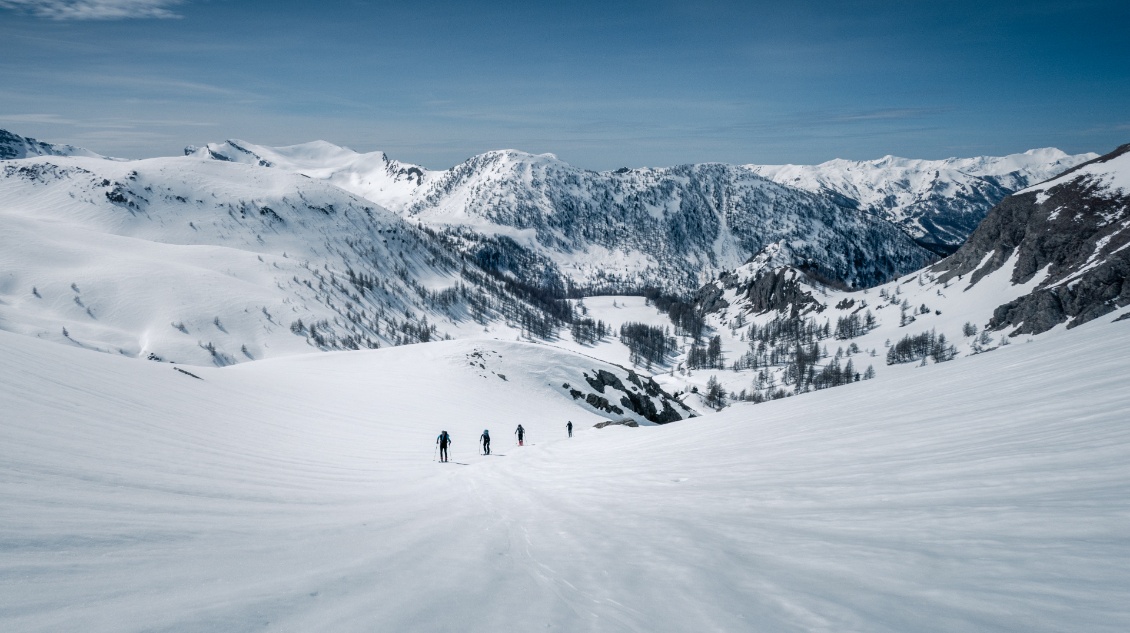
point(1072, 232)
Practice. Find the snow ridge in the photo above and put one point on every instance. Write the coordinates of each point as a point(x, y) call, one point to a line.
point(15, 146)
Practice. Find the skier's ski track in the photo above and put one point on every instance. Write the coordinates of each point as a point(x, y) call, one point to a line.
point(508, 491)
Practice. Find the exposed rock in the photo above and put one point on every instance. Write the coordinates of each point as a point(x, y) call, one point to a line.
point(777, 290)
point(626, 422)
point(603, 404)
point(644, 398)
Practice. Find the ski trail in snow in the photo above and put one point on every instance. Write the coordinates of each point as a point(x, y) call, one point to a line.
point(502, 493)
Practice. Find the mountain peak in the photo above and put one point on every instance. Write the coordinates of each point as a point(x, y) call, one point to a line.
point(14, 146)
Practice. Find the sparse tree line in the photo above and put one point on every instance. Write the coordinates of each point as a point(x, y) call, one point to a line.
point(791, 347)
point(647, 344)
point(587, 331)
point(919, 347)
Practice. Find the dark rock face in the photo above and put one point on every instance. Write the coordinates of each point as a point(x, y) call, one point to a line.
point(1077, 229)
point(602, 403)
point(709, 298)
point(601, 425)
point(775, 290)
point(640, 398)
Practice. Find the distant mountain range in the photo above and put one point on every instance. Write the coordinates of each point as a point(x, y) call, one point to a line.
point(674, 228)
point(236, 251)
point(939, 202)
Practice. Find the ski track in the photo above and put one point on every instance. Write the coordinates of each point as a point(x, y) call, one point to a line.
point(984, 494)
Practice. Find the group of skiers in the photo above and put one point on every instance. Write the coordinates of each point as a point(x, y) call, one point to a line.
point(444, 439)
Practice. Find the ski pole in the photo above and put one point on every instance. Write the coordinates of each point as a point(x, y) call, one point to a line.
point(435, 453)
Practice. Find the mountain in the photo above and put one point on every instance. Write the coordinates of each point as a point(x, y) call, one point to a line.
point(1057, 252)
point(970, 474)
point(1067, 236)
point(15, 146)
point(208, 262)
point(373, 176)
point(237, 252)
point(538, 218)
point(939, 202)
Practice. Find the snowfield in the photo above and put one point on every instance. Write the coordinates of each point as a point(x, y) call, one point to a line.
point(299, 494)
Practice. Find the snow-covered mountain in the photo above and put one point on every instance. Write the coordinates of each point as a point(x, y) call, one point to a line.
point(200, 261)
point(237, 252)
point(939, 202)
point(1069, 236)
point(539, 218)
point(15, 146)
point(373, 176)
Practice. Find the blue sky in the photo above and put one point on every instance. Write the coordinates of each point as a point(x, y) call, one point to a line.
point(600, 84)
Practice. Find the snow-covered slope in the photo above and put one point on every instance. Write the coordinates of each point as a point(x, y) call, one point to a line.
point(16, 146)
point(675, 228)
point(299, 494)
point(200, 261)
point(940, 202)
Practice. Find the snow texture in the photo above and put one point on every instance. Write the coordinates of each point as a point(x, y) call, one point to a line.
point(300, 494)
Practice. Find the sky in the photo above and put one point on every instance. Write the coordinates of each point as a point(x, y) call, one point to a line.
point(601, 84)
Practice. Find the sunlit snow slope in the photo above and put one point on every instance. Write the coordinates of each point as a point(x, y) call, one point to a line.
point(199, 261)
point(299, 494)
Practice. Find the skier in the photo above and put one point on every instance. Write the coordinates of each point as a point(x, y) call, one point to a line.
point(521, 435)
point(485, 439)
point(569, 427)
point(443, 440)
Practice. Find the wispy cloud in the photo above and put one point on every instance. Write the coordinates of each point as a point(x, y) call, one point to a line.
point(94, 9)
point(53, 119)
point(887, 114)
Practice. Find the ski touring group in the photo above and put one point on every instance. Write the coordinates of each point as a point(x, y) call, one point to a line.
point(443, 440)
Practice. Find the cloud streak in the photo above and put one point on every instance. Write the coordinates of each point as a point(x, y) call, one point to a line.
point(94, 9)
point(51, 119)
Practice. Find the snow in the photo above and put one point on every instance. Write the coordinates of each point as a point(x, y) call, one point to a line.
point(374, 176)
point(1113, 175)
point(298, 493)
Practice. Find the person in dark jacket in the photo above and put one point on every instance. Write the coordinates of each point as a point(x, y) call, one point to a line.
point(521, 435)
point(569, 427)
point(443, 440)
point(485, 440)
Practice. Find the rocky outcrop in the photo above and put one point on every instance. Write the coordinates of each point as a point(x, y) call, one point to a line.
point(641, 395)
point(777, 290)
point(626, 422)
